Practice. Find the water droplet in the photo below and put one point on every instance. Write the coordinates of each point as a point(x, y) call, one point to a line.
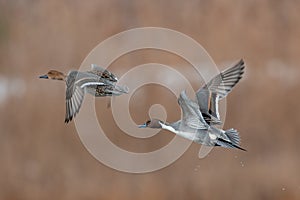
point(242, 164)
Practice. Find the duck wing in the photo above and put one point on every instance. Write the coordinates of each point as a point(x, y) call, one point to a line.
point(74, 96)
point(191, 115)
point(103, 73)
point(217, 88)
point(77, 83)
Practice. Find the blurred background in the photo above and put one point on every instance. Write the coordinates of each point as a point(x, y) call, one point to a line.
point(43, 158)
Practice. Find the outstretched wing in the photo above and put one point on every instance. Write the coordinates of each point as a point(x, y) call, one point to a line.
point(191, 115)
point(98, 82)
point(78, 83)
point(103, 73)
point(74, 96)
point(217, 88)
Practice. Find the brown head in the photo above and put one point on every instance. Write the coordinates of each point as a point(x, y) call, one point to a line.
point(152, 123)
point(54, 75)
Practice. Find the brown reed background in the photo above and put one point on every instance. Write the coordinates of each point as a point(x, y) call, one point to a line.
point(43, 158)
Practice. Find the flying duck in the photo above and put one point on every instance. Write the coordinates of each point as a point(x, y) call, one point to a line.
point(200, 117)
point(98, 82)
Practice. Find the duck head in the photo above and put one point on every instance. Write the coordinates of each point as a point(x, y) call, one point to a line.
point(54, 75)
point(152, 123)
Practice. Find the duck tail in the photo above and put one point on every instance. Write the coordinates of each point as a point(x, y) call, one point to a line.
point(233, 136)
point(121, 89)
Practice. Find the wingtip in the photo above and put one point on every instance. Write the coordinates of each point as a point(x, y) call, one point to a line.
point(242, 62)
point(67, 120)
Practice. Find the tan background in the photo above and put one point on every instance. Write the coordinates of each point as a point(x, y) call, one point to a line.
point(43, 158)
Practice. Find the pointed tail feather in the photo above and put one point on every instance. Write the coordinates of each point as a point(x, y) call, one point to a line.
point(234, 138)
point(117, 90)
point(121, 89)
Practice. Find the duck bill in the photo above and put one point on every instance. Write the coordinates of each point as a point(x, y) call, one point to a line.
point(44, 76)
point(143, 126)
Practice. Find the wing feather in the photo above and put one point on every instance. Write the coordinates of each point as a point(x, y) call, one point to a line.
point(217, 88)
point(103, 73)
point(74, 96)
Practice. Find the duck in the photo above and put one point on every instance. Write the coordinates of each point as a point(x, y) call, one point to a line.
point(200, 117)
point(98, 82)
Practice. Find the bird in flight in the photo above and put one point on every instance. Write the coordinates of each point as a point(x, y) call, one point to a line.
point(200, 117)
point(98, 82)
